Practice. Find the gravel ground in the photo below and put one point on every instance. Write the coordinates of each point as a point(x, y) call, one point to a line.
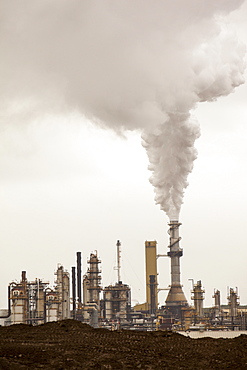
point(71, 344)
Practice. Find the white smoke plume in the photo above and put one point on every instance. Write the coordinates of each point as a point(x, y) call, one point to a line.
point(127, 65)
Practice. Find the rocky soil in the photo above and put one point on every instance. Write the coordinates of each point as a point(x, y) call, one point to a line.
point(71, 344)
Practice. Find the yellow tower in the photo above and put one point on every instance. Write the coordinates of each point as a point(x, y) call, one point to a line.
point(151, 303)
point(151, 275)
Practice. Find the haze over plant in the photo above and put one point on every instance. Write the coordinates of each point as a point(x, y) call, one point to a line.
point(126, 65)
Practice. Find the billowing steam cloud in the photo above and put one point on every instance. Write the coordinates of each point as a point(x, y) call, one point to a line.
point(126, 65)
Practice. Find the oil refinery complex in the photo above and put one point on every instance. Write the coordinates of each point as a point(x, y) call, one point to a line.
point(82, 297)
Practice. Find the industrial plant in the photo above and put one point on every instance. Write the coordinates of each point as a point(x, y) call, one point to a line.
point(81, 296)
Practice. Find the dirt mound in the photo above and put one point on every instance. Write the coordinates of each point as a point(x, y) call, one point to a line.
point(71, 344)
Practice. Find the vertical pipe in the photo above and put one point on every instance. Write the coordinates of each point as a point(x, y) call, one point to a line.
point(44, 306)
point(153, 298)
point(118, 260)
point(38, 299)
point(79, 276)
point(73, 292)
point(25, 301)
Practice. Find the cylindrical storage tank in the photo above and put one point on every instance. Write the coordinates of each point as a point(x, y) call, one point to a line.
point(18, 306)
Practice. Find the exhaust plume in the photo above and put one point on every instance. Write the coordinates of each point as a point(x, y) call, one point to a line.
point(126, 65)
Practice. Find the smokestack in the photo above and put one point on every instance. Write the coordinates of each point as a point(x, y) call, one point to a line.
point(23, 276)
point(176, 298)
point(73, 292)
point(79, 276)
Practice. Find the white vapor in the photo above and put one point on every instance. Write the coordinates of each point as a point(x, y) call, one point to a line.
point(127, 65)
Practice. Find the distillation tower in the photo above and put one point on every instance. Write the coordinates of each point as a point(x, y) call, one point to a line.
point(233, 302)
point(217, 306)
point(198, 297)
point(92, 282)
point(175, 300)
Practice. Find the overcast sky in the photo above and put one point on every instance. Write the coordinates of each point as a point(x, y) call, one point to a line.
point(84, 86)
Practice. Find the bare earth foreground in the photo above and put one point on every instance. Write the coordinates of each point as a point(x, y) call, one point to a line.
point(71, 344)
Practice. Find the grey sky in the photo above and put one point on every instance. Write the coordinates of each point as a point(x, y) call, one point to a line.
point(67, 185)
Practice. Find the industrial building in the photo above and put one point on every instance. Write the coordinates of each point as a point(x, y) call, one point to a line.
point(34, 302)
point(116, 301)
point(176, 313)
point(83, 298)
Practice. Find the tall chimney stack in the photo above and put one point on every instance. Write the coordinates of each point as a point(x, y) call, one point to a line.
point(78, 254)
point(73, 293)
point(175, 299)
